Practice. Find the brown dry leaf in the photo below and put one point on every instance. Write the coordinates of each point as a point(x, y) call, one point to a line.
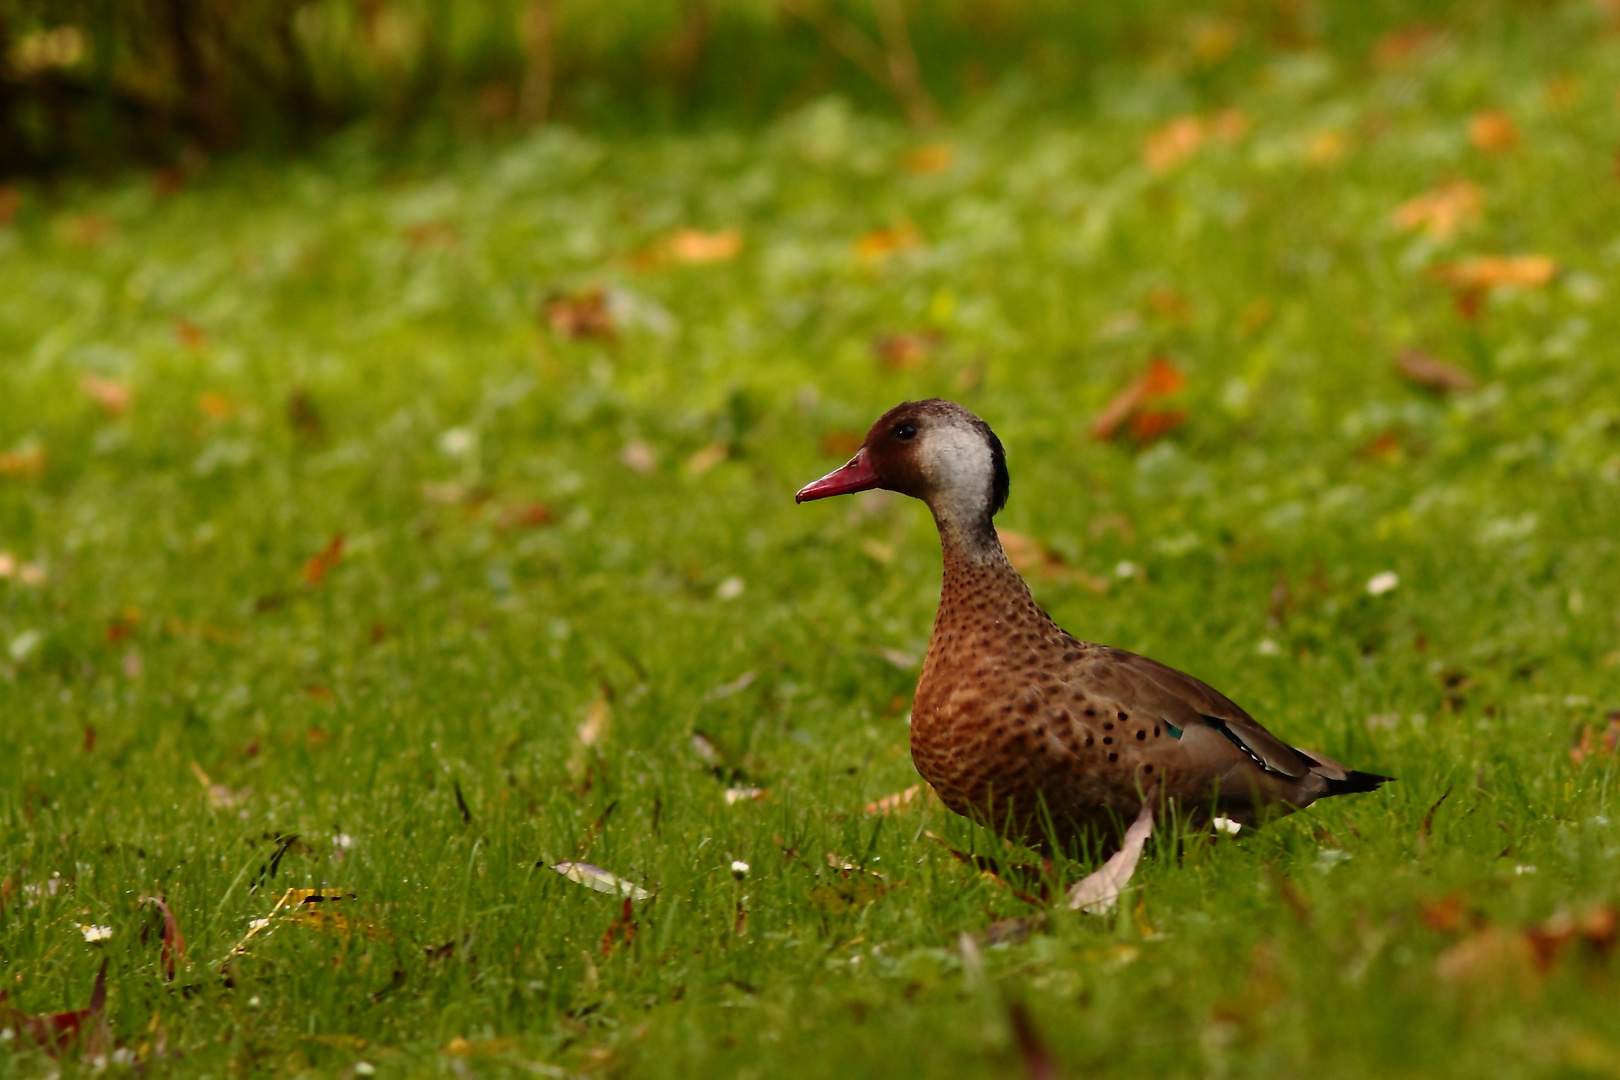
point(901, 352)
point(892, 804)
point(55, 1032)
point(1485, 272)
point(1032, 558)
point(1442, 212)
point(1327, 147)
point(324, 561)
point(215, 406)
point(694, 247)
point(1174, 144)
point(1161, 380)
point(314, 909)
point(1398, 45)
point(879, 244)
point(1491, 960)
point(111, 395)
point(174, 942)
point(594, 877)
point(580, 316)
point(425, 235)
point(639, 456)
point(528, 516)
point(1493, 132)
point(304, 415)
point(25, 461)
point(1587, 745)
point(220, 797)
point(1427, 371)
point(190, 335)
point(932, 158)
point(707, 458)
point(87, 230)
point(840, 444)
point(10, 203)
point(1446, 914)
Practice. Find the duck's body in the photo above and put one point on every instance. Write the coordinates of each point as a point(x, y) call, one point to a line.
point(1019, 724)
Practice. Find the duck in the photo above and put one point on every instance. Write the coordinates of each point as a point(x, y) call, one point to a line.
point(1051, 741)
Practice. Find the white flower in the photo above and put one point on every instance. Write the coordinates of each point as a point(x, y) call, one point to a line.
point(1379, 584)
point(1267, 647)
point(96, 933)
point(1227, 826)
point(1125, 569)
point(730, 589)
point(739, 867)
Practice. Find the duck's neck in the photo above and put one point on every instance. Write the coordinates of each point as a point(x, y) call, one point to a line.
point(977, 574)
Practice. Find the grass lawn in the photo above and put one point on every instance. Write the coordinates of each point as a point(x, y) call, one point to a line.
point(401, 532)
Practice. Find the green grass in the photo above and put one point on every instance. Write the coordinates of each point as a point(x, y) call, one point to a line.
point(381, 368)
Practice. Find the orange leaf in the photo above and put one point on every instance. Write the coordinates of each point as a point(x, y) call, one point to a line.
point(112, 395)
point(26, 461)
point(932, 158)
point(1146, 427)
point(879, 244)
point(1493, 132)
point(1425, 370)
point(580, 316)
point(1174, 143)
point(1499, 271)
point(1161, 380)
point(695, 247)
point(190, 335)
point(899, 352)
point(10, 203)
point(1443, 211)
point(324, 561)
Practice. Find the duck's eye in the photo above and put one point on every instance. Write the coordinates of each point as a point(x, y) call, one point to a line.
point(906, 431)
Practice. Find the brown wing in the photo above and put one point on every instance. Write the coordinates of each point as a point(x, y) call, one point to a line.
point(1175, 694)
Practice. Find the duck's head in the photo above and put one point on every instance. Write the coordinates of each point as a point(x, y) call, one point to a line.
point(932, 450)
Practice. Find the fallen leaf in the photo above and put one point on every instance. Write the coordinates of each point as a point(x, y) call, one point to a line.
point(1327, 147)
point(88, 230)
point(190, 335)
point(707, 458)
point(1445, 915)
point(1587, 745)
point(1173, 144)
point(735, 795)
point(1441, 213)
point(220, 797)
point(10, 203)
point(215, 406)
point(1434, 374)
point(639, 457)
point(879, 244)
point(111, 395)
point(1499, 271)
point(530, 516)
point(25, 461)
point(324, 561)
point(313, 909)
point(426, 235)
point(304, 415)
point(55, 1032)
point(696, 248)
point(931, 158)
point(891, 804)
point(840, 444)
point(901, 352)
point(174, 942)
point(1398, 45)
point(1159, 381)
point(1493, 132)
point(594, 877)
point(581, 316)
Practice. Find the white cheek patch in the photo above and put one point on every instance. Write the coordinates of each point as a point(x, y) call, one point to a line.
point(960, 471)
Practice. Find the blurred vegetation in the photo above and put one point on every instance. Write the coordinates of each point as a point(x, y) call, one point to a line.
point(92, 83)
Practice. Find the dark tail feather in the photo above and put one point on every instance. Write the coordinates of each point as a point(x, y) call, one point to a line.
point(1357, 781)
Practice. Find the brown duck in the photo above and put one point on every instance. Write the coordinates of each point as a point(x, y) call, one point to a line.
point(1044, 737)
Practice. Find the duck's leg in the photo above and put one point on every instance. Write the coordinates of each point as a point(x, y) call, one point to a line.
point(1099, 891)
